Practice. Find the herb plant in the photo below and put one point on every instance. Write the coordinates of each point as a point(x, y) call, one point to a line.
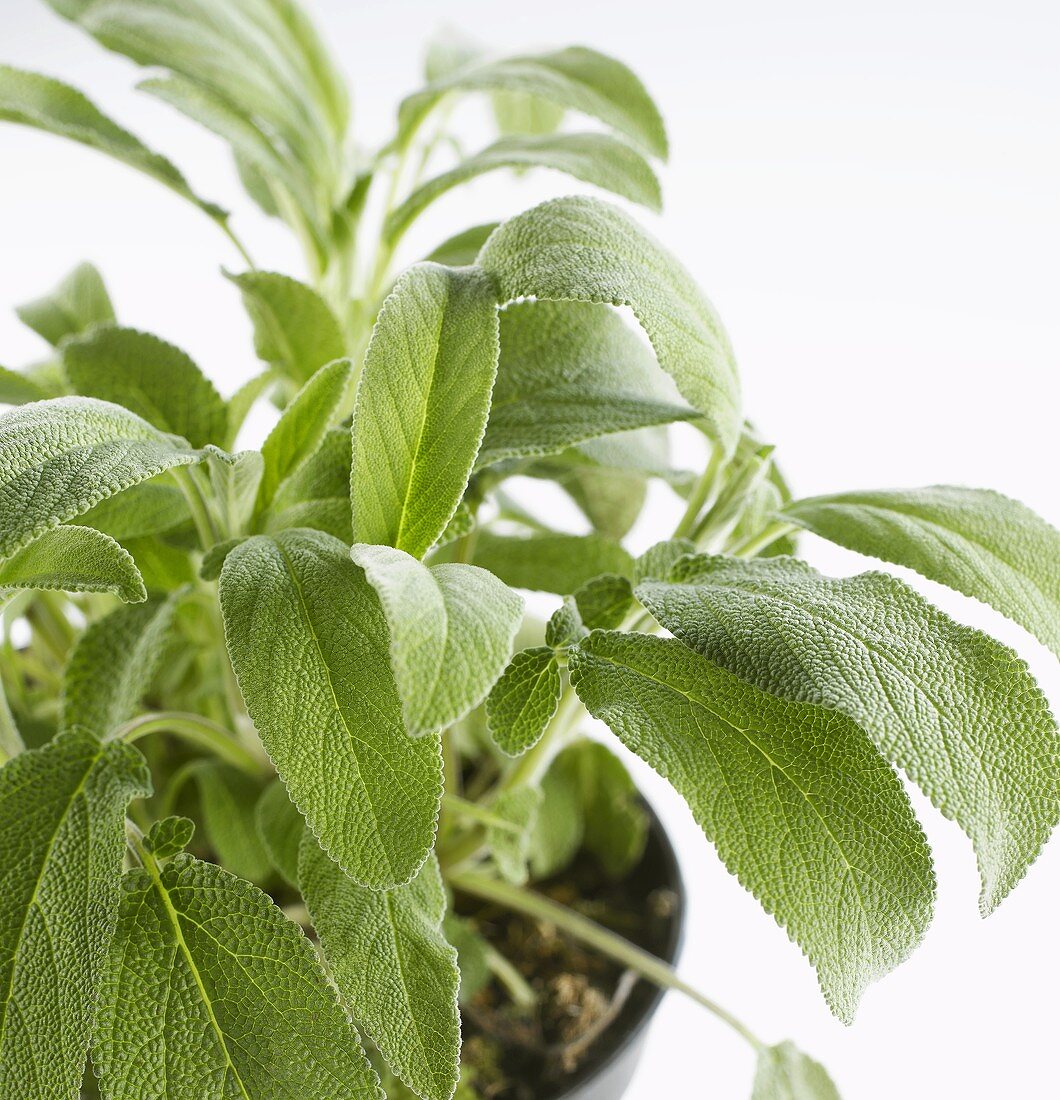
point(314, 648)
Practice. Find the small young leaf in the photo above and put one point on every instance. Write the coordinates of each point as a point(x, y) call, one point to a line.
point(145, 509)
point(59, 458)
point(656, 562)
point(565, 627)
point(243, 400)
point(112, 665)
point(75, 559)
point(584, 249)
point(973, 540)
point(317, 494)
point(295, 331)
point(550, 562)
point(422, 405)
point(62, 812)
point(149, 377)
point(388, 955)
point(509, 839)
point(461, 249)
point(169, 836)
point(801, 807)
point(309, 644)
point(451, 633)
point(228, 798)
point(236, 481)
point(76, 304)
point(956, 710)
point(518, 113)
point(568, 372)
point(604, 602)
point(523, 700)
point(248, 1010)
point(593, 158)
point(280, 827)
point(785, 1073)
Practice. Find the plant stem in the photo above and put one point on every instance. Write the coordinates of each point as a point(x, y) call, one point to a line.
point(755, 544)
point(474, 812)
point(196, 730)
point(518, 988)
point(702, 493)
point(198, 506)
point(594, 935)
point(532, 764)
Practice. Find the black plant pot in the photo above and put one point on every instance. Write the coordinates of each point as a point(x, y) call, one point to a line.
point(606, 1072)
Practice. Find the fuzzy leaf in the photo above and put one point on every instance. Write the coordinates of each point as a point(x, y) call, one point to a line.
point(322, 696)
point(295, 331)
point(76, 304)
point(169, 836)
point(800, 805)
point(18, 388)
point(461, 249)
point(550, 562)
point(604, 602)
point(248, 1010)
point(523, 700)
point(584, 249)
point(236, 481)
point(956, 710)
point(280, 827)
point(58, 458)
point(149, 377)
point(228, 798)
point(422, 405)
point(62, 813)
point(146, 509)
point(598, 159)
point(451, 633)
point(974, 540)
point(244, 399)
point(388, 955)
point(75, 559)
point(785, 1073)
point(510, 838)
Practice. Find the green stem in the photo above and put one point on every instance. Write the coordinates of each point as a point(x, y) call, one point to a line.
point(230, 233)
point(702, 493)
point(594, 935)
point(532, 764)
point(198, 506)
point(755, 544)
point(474, 812)
point(196, 730)
point(518, 988)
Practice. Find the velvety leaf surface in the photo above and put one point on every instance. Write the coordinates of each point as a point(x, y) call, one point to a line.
point(785, 1073)
point(956, 710)
point(310, 647)
point(146, 509)
point(169, 836)
point(550, 562)
point(461, 249)
point(18, 388)
point(228, 798)
point(523, 700)
point(76, 304)
point(800, 805)
point(280, 827)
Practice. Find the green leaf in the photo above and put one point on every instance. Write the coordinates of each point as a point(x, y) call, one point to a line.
point(243, 400)
point(47, 104)
point(976, 541)
point(58, 458)
point(169, 836)
point(584, 249)
point(509, 839)
point(800, 805)
point(295, 331)
point(228, 798)
point(248, 1010)
point(576, 78)
point(281, 828)
point(149, 377)
point(76, 304)
point(785, 1073)
point(954, 709)
point(322, 696)
point(604, 602)
point(303, 425)
point(598, 159)
point(164, 567)
point(18, 388)
point(461, 249)
point(550, 562)
point(236, 482)
point(422, 405)
point(473, 951)
point(656, 562)
point(75, 559)
point(112, 665)
point(62, 812)
point(560, 826)
point(145, 509)
point(568, 372)
point(451, 633)
point(523, 700)
point(388, 955)
point(516, 113)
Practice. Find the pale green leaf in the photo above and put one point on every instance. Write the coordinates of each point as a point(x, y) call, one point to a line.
point(163, 566)
point(598, 159)
point(473, 951)
point(523, 700)
point(248, 1012)
point(236, 481)
point(451, 633)
point(800, 805)
point(657, 561)
point(58, 458)
point(62, 813)
point(560, 826)
point(422, 405)
point(244, 399)
point(145, 509)
point(76, 304)
point(974, 540)
point(19, 388)
point(149, 377)
point(461, 249)
point(112, 665)
point(565, 626)
point(281, 828)
point(785, 1073)
point(518, 113)
point(317, 494)
point(550, 562)
point(169, 836)
point(604, 602)
point(295, 330)
point(509, 837)
point(956, 710)
point(584, 249)
point(75, 559)
point(309, 644)
point(228, 797)
point(388, 955)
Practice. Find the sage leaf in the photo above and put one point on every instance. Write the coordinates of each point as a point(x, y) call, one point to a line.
point(524, 700)
point(954, 709)
point(584, 249)
point(236, 481)
point(422, 405)
point(243, 400)
point(550, 562)
point(451, 633)
point(317, 493)
point(796, 799)
point(58, 458)
point(388, 955)
point(18, 388)
point(75, 305)
point(62, 813)
point(248, 1010)
point(785, 1073)
point(461, 249)
point(322, 695)
point(604, 602)
point(149, 377)
point(75, 559)
point(228, 798)
point(511, 833)
point(976, 541)
point(169, 836)
point(145, 509)
point(280, 827)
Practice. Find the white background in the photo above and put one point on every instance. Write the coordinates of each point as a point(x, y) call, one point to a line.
point(869, 194)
